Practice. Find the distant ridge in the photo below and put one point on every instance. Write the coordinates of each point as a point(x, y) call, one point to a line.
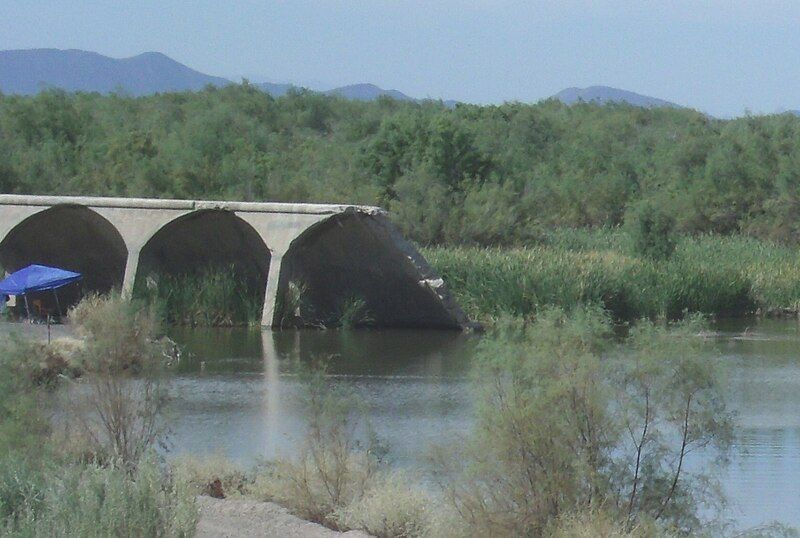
point(274, 89)
point(606, 94)
point(367, 92)
point(27, 72)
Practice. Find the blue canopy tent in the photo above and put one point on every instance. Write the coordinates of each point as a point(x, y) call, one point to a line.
point(37, 278)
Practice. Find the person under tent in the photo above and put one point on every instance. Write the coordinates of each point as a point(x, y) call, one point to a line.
point(37, 279)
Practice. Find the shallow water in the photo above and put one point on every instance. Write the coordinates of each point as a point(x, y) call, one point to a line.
point(235, 395)
point(243, 402)
point(763, 380)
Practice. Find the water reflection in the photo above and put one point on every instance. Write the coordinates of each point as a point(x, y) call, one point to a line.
point(350, 353)
point(415, 389)
point(236, 393)
point(272, 386)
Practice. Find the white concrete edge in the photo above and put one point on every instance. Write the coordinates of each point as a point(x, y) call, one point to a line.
point(186, 205)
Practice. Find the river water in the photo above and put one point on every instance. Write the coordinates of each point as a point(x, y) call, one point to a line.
point(236, 396)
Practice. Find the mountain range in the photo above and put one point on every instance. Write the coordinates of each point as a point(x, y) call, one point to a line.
point(605, 94)
point(27, 72)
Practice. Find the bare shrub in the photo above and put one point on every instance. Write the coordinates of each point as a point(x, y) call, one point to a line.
point(597, 524)
point(118, 402)
point(339, 482)
point(215, 476)
point(668, 404)
point(562, 429)
point(332, 469)
point(393, 506)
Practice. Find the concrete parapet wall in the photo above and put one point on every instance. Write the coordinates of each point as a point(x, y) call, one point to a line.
point(182, 205)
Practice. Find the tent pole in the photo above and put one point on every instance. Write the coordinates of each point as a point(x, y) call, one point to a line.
point(58, 305)
point(27, 308)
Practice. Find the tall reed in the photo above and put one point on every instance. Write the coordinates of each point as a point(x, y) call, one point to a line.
point(725, 276)
point(213, 297)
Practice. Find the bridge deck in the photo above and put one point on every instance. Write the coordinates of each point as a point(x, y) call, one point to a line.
point(187, 205)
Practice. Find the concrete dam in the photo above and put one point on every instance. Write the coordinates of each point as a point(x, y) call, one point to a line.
point(337, 252)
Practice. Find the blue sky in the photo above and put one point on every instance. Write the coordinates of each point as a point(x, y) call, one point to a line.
point(719, 57)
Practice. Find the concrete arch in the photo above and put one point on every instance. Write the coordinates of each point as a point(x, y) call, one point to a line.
point(72, 237)
point(207, 238)
point(342, 251)
point(354, 255)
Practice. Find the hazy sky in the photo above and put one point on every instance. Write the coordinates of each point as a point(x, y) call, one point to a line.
point(722, 57)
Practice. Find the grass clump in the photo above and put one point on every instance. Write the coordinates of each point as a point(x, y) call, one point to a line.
point(214, 476)
point(108, 500)
point(212, 297)
point(290, 304)
point(595, 524)
point(393, 506)
point(353, 313)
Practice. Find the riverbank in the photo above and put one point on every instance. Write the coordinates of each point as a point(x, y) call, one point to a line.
point(224, 518)
point(730, 276)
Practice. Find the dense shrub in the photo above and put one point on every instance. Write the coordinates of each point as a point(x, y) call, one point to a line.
point(471, 174)
point(652, 231)
point(214, 476)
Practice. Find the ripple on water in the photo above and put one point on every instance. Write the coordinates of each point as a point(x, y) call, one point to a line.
point(415, 392)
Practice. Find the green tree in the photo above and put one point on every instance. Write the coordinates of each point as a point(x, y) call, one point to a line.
point(652, 231)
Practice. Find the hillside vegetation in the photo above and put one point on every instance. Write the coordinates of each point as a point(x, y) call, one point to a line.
point(647, 212)
point(479, 175)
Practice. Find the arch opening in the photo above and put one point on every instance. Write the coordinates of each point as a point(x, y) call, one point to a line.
point(70, 237)
point(347, 271)
point(209, 267)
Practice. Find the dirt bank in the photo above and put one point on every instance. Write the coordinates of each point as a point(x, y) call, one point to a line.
point(245, 518)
